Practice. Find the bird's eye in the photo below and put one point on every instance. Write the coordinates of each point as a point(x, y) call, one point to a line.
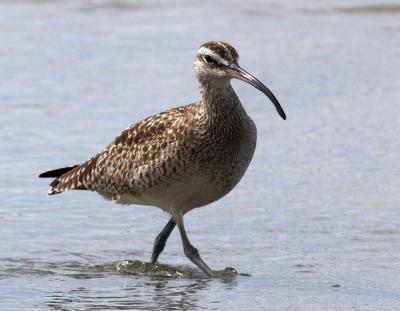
point(208, 59)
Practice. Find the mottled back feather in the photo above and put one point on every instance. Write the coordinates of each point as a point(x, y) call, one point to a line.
point(122, 166)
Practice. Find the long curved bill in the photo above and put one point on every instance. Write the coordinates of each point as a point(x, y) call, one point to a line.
point(235, 71)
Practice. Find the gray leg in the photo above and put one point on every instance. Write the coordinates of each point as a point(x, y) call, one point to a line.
point(190, 251)
point(161, 238)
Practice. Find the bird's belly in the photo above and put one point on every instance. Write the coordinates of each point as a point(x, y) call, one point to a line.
point(180, 196)
point(201, 185)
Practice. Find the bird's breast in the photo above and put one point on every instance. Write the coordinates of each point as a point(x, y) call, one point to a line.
point(233, 154)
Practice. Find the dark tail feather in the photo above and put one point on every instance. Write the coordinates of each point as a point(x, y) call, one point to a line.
point(66, 178)
point(57, 172)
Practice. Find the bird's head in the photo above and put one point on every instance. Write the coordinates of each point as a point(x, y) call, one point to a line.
point(217, 62)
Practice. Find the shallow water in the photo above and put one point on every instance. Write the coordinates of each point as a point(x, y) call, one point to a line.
point(314, 224)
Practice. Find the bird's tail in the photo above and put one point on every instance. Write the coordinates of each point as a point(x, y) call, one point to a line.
point(72, 177)
point(65, 179)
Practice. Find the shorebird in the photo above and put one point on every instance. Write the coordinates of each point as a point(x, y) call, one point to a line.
point(182, 158)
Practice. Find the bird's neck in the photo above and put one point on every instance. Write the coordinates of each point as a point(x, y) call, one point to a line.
point(220, 101)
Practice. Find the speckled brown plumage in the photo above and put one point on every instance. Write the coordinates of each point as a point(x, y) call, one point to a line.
point(189, 146)
point(181, 158)
point(178, 159)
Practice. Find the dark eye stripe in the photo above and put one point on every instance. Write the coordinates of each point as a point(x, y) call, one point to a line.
point(208, 59)
point(223, 49)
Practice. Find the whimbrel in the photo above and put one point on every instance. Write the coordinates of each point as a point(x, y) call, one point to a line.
point(182, 158)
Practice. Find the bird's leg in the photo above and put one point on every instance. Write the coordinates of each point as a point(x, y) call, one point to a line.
point(160, 240)
point(190, 251)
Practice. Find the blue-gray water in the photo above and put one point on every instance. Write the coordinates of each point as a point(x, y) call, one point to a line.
point(313, 225)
